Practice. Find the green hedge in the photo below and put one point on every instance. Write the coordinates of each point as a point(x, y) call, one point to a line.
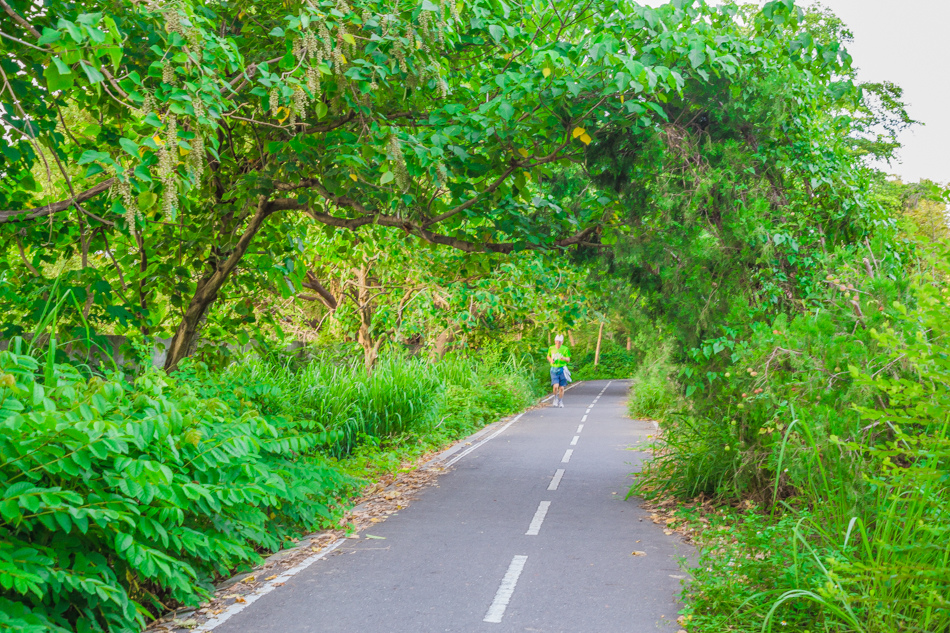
point(119, 497)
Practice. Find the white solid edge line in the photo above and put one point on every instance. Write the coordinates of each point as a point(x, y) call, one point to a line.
point(538, 519)
point(487, 439)
point(567, 455)
point(251, 598)
point(574, 441)
point(580, 427)
point(584, 419)
point(507, 588)
point(556, 480)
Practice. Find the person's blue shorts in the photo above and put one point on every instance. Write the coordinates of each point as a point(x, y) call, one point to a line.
point(558, 379)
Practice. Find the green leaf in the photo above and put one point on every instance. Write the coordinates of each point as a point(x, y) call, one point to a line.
point(506, 110)
point(697, 58)
point(277, 32)
point(91, 155)
point(70, 28)
point(115, 55)
point(123, 542)
point(49, 36)
point(92, 72)
point(56, 78)
point(94, 169)
point(497, 32)
point(130, 147)
point(387, 177)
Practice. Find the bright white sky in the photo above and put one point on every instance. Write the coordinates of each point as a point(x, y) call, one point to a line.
point(904, 41)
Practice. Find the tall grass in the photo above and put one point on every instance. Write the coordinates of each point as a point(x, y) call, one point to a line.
point(403, 395)
point(655, 392)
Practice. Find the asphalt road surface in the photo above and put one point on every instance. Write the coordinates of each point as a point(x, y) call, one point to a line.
point(529, 532)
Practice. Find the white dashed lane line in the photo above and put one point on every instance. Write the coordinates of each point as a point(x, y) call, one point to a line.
point(574, 441)
point(507, 588)
point(580, 427)
point(584, 419)
point(567, 455)
point(538, 519)
point(556, 480)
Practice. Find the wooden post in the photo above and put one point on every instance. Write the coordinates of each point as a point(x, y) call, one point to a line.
point(600, 335)
point(629, 344)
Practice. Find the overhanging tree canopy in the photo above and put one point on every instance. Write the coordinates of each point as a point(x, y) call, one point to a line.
point(158, 142)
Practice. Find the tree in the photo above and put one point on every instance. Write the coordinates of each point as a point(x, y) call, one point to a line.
point(217, 127)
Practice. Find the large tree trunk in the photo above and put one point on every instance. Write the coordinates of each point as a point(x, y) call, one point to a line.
point(186, 337)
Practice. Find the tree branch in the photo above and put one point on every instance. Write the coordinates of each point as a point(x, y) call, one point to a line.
point(24, 215)
point(20, 20)
point(29, 266)
point(325, 295)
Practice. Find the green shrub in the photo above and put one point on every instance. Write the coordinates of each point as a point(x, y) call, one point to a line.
point(615, 363)
point(836, 421)
point(655, 391)
point(119, 497)
point(479, 391)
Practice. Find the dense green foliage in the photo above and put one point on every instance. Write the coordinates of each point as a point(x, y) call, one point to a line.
point(855, 476)
point(436, 188)
point(117, 495)
point(779, 266)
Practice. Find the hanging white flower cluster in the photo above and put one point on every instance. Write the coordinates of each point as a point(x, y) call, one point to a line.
point(123, 188)
point(400, 171)
point(167, 163)
point(196, 159)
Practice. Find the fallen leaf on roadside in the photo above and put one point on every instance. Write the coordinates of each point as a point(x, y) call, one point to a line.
point(240, 599)
point(667, 532)
point(639, 553)
point(248, 580)
point(271, 577)
point(381, 538)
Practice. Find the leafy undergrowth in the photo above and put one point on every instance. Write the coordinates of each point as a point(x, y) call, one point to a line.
point(615, 363)
point(824, 440)
point(124, 498)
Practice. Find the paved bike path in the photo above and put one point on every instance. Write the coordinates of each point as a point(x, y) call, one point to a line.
point(504, 542)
